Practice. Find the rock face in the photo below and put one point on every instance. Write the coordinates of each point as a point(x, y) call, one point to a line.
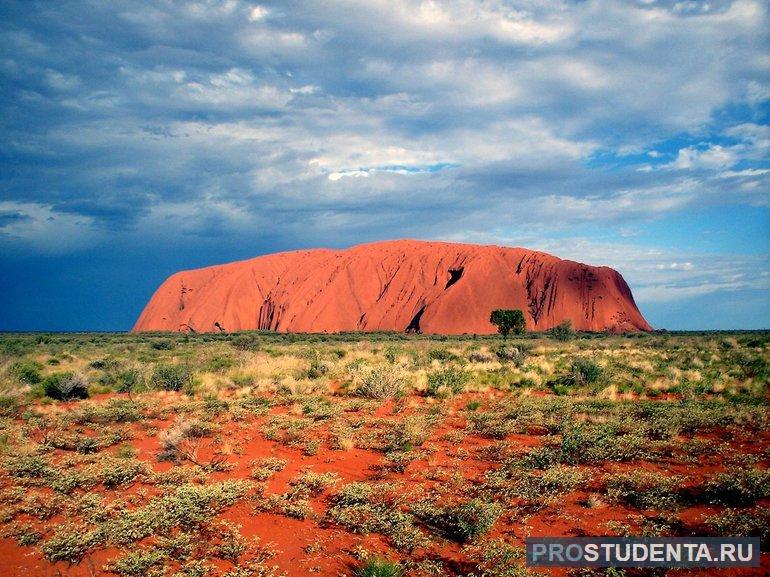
point(405, 285)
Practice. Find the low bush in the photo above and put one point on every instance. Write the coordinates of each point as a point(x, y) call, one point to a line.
point(379, 568)
point(446, 382)
point(534, 487)
point(442, 355)
point(163, 345)
point(742, 523)
point(294, 504)
point(382, 382)
point(563, 331)
point(587, 443)
point(26, 371)
point(480, 357)
point(171, 377)
point(265, 468)
point(516, 355)
point(177, 443)
point(245, 342)
point(463, 522)
point(70, 543)
point(496, 558)
point(141, 563)
point(10, 405)
point(582, 372)
point(219, 364)
point(405, 435)
point(65, 386)
point(737, 487)
point(493, 425)
point(314, 483)
point(644, 490)
point(121, 472)
point(366, 508)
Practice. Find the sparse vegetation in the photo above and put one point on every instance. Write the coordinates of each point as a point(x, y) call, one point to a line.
point(434, 444)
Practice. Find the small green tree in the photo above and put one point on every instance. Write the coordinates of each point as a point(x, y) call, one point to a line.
point(508, 320)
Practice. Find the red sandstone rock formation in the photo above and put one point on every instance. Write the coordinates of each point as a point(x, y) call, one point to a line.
point(405, 285)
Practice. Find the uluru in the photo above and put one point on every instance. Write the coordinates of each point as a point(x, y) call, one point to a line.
point(403, 285)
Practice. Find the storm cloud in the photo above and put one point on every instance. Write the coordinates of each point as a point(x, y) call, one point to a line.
point(143, 137)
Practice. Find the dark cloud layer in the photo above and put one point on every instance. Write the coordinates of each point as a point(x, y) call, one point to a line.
point(143, 137)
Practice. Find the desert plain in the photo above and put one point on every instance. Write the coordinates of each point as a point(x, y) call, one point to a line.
point(267, 454)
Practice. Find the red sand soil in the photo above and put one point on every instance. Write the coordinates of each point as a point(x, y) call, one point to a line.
point(304, 547)
point(405, 285)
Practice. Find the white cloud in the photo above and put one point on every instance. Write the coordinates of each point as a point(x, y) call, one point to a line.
point(712, 157)
point(44, 228)
point(61, 81)
point(236, 87)
point(351, 173)
point(258, 13)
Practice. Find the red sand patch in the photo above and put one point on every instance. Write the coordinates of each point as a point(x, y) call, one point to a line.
point(306, 547)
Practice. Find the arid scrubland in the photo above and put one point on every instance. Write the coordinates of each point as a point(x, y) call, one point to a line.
point(272, 454)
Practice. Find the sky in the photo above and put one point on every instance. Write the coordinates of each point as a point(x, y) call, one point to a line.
point(139, 138)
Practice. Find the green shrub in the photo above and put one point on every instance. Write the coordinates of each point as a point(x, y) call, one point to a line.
point(187, 507)
point(644, 490)
point(171, 377)
point(496, 558)
point(365, 508)
point(9, 405)
point(582, 372)
point(65, 386)
point(587, 443)
point(461, 523)
point(512, 354)
point(404, 435)
point(103, 364)
point(27, 466)
point(480, 357)
point(24, 533)
point(314, 483)
point(738, 487)
point(493, 425)
point(534, 486)
point(265, 468)
point(127, 380)
point(294, 504)
point(26, 371)
point(121, 472)
point(140, 563)
point(446, 382)
point(742, 523)
point(245, 342)
point(442, 355)
point(219, 364)
point(563, 331)
point(320, 408)
point(70, 543)
point(163, 345)
point(317, 368)
point(382, 382)
point(379, 568)
point(751, 367)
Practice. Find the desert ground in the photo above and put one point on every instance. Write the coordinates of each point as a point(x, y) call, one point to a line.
point(265, 454)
